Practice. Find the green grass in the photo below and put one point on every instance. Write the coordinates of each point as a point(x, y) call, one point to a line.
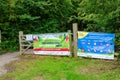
point(62, 68)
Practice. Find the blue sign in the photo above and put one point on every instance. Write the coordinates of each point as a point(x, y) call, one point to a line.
point(96, 45)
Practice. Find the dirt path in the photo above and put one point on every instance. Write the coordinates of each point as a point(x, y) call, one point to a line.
point(7, 58)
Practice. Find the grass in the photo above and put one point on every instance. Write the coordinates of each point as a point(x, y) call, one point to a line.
point(32, 67)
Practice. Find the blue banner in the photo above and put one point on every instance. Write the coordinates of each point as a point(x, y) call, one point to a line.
point(96, 45)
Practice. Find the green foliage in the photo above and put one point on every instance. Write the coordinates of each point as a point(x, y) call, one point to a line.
point(45, 16)
point(95, 14)
point(31, 16)
point(99, 16)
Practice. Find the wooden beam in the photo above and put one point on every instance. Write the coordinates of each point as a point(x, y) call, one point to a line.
point(75, 38)
point(20, 41)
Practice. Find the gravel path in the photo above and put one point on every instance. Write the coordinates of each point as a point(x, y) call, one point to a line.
point(7, 58)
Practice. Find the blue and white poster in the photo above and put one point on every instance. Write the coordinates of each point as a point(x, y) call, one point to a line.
point(96, 45)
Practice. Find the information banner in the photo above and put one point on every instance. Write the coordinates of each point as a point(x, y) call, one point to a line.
point(29, 37)
point(51, 44)
point(96, 45)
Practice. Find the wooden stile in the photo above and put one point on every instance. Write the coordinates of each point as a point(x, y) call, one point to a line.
point(75, 38)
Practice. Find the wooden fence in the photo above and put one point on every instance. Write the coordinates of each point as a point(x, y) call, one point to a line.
point(26, 45)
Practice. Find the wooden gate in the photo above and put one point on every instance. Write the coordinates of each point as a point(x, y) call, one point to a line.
point(24, 44)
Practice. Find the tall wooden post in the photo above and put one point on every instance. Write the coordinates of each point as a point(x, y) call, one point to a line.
point(70, 42)
point(20, 41)
point(75, 38)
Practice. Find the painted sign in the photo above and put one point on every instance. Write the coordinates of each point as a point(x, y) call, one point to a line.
point(96, 45)
point(51, 44)
point(29, 37)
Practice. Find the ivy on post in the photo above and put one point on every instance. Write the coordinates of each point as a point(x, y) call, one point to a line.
point(75, 38)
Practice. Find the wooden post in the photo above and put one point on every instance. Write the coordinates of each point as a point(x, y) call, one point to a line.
point(70, 39)
point(75, 38)
point(20, 41)
point(0, 36)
